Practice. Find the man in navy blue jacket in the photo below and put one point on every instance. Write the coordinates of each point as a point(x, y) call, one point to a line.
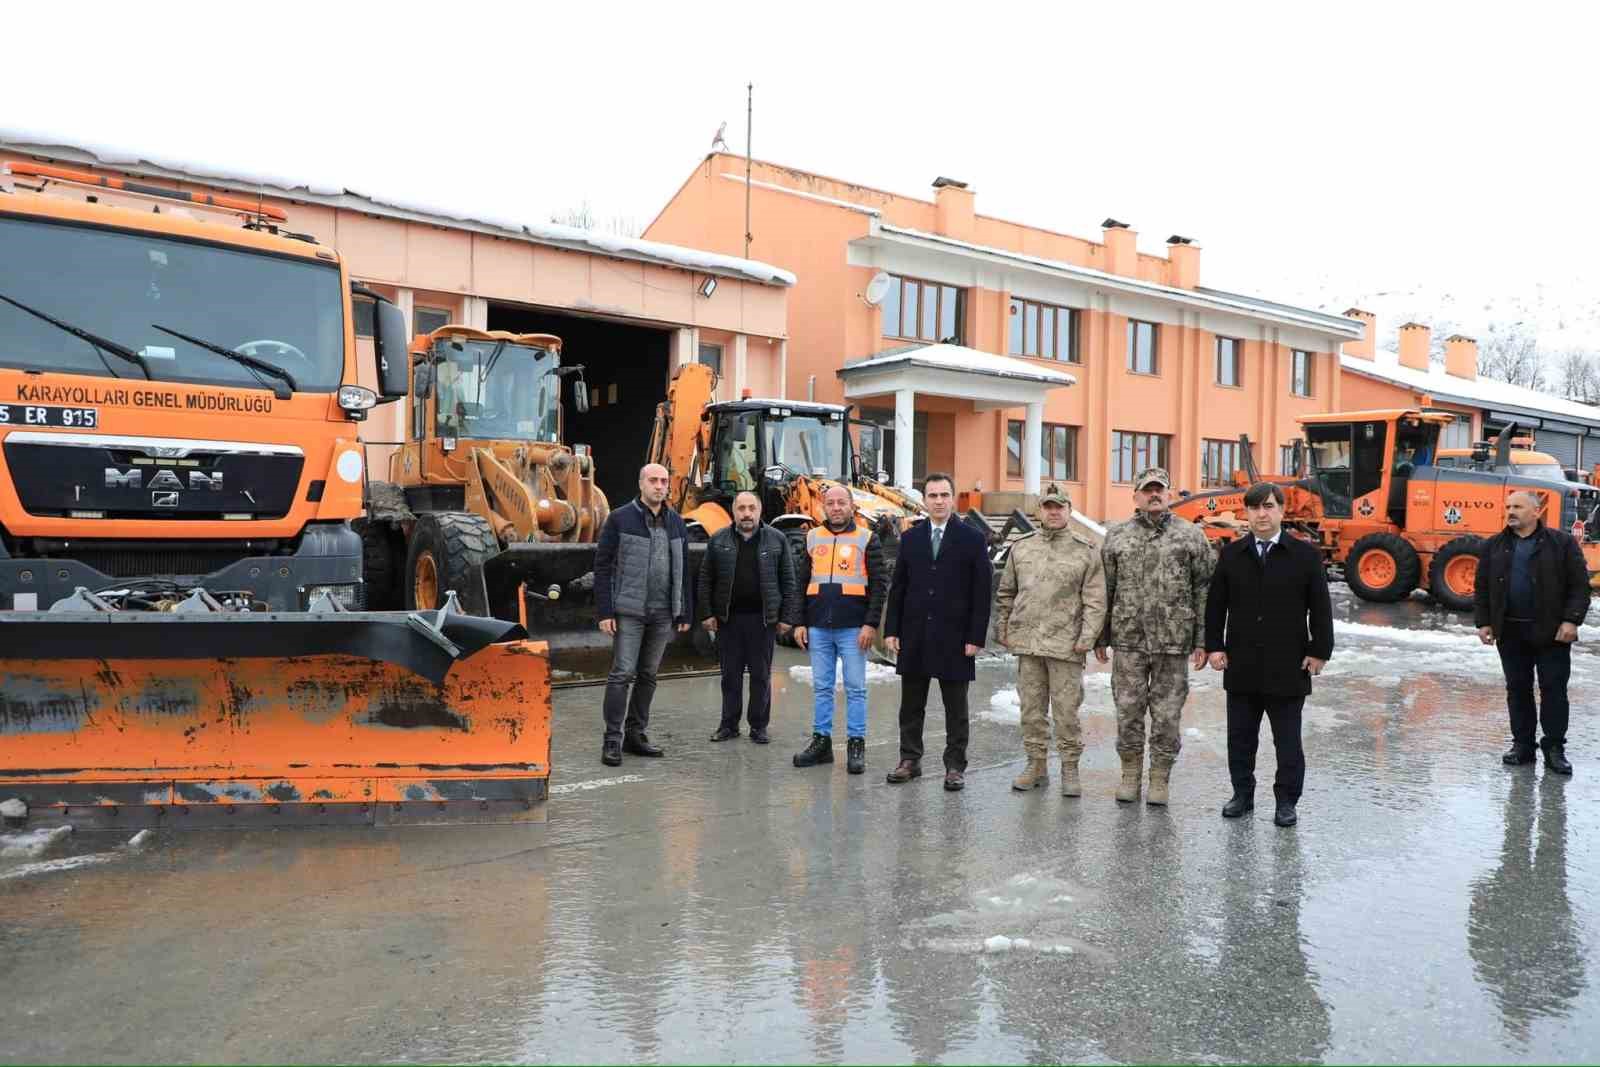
point(642, 593)
point(937, 620)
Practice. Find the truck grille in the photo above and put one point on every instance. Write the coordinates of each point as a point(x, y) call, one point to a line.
point(122, 563)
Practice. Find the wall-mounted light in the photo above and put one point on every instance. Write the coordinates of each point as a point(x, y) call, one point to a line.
point(708, 287)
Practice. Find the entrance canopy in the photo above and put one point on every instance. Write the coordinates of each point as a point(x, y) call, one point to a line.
point(989, 381)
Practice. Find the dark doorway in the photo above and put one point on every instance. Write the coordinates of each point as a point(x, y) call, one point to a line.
point(627, 371)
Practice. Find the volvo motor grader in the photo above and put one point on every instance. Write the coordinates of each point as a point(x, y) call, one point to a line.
point(1368, 492)
point(182, 633)
point(483, 499)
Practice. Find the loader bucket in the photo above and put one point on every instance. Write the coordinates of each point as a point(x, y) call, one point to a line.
point(130, 719)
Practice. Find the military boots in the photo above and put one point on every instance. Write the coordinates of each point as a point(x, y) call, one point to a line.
point(820, 750)
point(1132, 770)
point(1160, 773)
point(1070, 786)
point(1035, 776)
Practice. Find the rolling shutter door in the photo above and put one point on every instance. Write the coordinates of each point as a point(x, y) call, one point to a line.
point(1563, 446)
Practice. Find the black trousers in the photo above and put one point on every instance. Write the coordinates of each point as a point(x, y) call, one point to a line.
point(914, 709)
point(745, 643)
point(1521, 659)
point(1244, 735)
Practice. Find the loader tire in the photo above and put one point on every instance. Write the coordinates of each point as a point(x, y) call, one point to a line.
point(383, 552)
point(1452, 577)
point(1383, 568)
point(447, 551)
point(797, 549)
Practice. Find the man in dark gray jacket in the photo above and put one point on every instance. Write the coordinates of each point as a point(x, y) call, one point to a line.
point(745, 594)
point(641, 593)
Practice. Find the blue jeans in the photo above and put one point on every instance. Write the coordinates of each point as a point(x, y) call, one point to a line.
point(828, 647)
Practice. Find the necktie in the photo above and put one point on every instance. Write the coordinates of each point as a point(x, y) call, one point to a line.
point(1261, 549)
point(938, 535)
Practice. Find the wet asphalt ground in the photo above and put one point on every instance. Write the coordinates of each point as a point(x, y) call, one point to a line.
point(719, 905)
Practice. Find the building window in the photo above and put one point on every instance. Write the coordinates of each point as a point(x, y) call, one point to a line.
point(1043, 330)
point(1058, 451)
point(1286, 460)
point(1142, 347)
point(1134, 452)
point(1218, 462)
point(1300, 367)
point(711, 356)
point(429, 319)
point(1229, 354)
point(924, 311)
point(1457, 434)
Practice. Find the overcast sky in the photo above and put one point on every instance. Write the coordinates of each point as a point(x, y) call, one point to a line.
point(1333, 148)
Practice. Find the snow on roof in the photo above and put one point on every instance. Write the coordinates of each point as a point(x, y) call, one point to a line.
point(961, 358)
point(323, 189)
point(1476, 392)
point(1213, 298)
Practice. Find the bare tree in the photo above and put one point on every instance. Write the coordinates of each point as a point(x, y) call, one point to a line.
point(580, 217)
point(1513, 356)
point(1578, 376)
point(583, 217)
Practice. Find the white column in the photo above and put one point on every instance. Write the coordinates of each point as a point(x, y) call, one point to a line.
point(406, 301)
point(741, 376)
point(683, 344)
point(475, 312)
point(1032, 434)
point(783, 370)
point(905, 425)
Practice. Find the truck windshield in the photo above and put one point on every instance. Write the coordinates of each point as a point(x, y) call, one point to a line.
point(491, 390)
point(1549, 471)
point(807, 445)
point(119, 285)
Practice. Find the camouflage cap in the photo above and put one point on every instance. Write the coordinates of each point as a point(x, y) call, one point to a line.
point(1152, 474)
point(1054, 494)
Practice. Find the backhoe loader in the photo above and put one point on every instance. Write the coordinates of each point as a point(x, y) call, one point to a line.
point(183, 638)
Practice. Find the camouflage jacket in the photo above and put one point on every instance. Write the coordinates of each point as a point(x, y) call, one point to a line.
point(1051, 600)
point(1157, 574)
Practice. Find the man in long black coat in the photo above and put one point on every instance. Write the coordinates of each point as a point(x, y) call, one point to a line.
point(937, 619)
point(1269, 626)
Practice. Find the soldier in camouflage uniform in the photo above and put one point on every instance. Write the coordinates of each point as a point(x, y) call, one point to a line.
point(1049, 610)
point(1158, 568)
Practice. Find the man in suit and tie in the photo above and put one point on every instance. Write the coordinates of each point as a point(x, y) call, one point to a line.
point(1269, 628)
point(937, 619)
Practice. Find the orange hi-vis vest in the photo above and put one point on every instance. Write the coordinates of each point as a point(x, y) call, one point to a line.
point(838, 559)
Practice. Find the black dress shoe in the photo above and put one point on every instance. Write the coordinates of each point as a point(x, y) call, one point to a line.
point(1555, 759)
point(1238, 805)
point(639, 745)
point(724, 733)
point(760, 737)
point(1517, 755)
point(954, 781)
point(1286, 815)
point(611, 752)
point(856, 755)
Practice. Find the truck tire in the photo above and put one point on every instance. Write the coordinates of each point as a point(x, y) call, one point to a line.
point(1452, 577)
point(797, 549)
point(382, 554)
point(447, 551)
point(1383, 568)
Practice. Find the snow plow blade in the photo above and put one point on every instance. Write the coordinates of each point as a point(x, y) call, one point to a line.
point(111, 720)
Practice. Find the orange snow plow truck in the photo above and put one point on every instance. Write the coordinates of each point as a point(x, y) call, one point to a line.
point(182, 633)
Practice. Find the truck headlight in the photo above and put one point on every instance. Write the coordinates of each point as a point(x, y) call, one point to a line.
point(347, 596)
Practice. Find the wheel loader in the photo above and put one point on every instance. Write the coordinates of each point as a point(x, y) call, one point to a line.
point(1368, 491)
point(183, 633)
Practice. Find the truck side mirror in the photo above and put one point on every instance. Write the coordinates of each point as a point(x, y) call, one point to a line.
point(580, 396)
point(390, 342)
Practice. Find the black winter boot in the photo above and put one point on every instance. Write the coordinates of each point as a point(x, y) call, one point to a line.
point(856, 755)
point(820, 750)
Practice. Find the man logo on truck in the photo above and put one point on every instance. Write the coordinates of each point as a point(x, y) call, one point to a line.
point(133, 478)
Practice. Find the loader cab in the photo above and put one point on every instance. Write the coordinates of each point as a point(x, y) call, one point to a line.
point(764, 445)
point(1361, 467)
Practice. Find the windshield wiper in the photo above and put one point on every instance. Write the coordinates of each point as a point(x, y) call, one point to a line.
point(101, 344)
point(239, 357)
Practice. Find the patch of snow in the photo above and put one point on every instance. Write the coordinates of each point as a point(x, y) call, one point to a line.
point(67, 863)
point(141, 839)
point(32, 843)
point(1005, 706)
point(877, 674)
point(999, 943)
point(1452, 637)
point(1193, 731)
point(594, 783)
point(14, 808)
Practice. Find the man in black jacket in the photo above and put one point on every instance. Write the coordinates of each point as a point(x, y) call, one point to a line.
point(1269, 627)
point(642, 593)
point(746, 594)
point(938, 618)
point(1532, 591)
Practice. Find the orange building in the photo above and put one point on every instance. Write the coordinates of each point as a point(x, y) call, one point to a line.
point(1008, 354)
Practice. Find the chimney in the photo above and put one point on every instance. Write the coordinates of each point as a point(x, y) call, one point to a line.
point(1367, 347)
point(1415, 340)
point(1461, 356)
point(1122, 252)
point(1184, 256)
point(953, 209)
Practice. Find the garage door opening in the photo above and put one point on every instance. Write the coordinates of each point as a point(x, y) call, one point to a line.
point(627, 368)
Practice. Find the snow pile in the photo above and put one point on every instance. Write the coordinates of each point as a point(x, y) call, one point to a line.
point(32, 843)
point(1004, 706)
point(877, 674)
point(66, 863)
point(1193, 732)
